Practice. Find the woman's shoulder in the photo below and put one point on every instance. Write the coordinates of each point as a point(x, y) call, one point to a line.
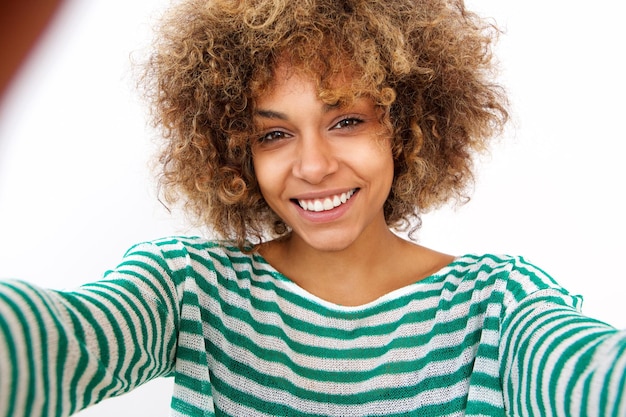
point(508, 267)
point(193, 243)
point(516, 276)
point(185, 249)
point(497, 264)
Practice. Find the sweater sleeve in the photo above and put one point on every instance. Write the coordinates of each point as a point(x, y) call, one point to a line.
point(63, 351)
point(554, 360)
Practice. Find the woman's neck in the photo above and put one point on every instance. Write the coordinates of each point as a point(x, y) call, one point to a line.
point(357, 274)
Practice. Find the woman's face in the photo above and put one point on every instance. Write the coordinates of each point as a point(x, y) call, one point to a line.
point(325, 170)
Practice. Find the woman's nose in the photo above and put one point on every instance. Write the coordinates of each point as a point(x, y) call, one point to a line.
point(315, 160)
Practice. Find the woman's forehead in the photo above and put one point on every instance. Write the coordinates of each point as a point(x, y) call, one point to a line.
point(332, 86)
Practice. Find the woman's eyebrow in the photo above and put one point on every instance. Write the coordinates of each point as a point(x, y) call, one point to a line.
point(272, 114)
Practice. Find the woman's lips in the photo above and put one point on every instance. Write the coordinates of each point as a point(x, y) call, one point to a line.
point(345, 201)
point(326, 203)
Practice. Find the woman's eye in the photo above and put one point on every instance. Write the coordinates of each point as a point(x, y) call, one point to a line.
point(272, 136)
point(349, 122)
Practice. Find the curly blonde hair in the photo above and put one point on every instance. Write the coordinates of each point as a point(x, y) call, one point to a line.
point(426, 63)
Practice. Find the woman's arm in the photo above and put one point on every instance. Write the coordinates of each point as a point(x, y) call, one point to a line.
point(557, 362)
point(63, 351)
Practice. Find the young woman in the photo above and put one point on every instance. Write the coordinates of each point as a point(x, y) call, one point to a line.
point(304, 133)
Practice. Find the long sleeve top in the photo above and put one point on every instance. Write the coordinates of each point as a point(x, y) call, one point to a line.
point(486, 335)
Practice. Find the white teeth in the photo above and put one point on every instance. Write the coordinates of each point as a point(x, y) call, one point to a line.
point(327, 203)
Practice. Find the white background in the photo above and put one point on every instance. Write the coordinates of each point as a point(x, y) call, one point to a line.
point(76, 189)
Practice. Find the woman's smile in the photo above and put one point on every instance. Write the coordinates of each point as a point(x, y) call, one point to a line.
point(325, 203)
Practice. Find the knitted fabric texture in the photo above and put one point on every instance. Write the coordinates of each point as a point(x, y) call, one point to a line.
point(485, 336)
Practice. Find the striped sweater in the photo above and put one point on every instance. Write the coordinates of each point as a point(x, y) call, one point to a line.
point(485, 336)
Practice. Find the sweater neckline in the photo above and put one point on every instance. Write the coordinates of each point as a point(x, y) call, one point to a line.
point(390, 296)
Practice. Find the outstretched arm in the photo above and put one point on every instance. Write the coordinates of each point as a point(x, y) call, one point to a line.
point(557, 362)
point(63, 351)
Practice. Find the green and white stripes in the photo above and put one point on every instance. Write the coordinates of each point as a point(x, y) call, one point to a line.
point(60, 352)
point(485, 336)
